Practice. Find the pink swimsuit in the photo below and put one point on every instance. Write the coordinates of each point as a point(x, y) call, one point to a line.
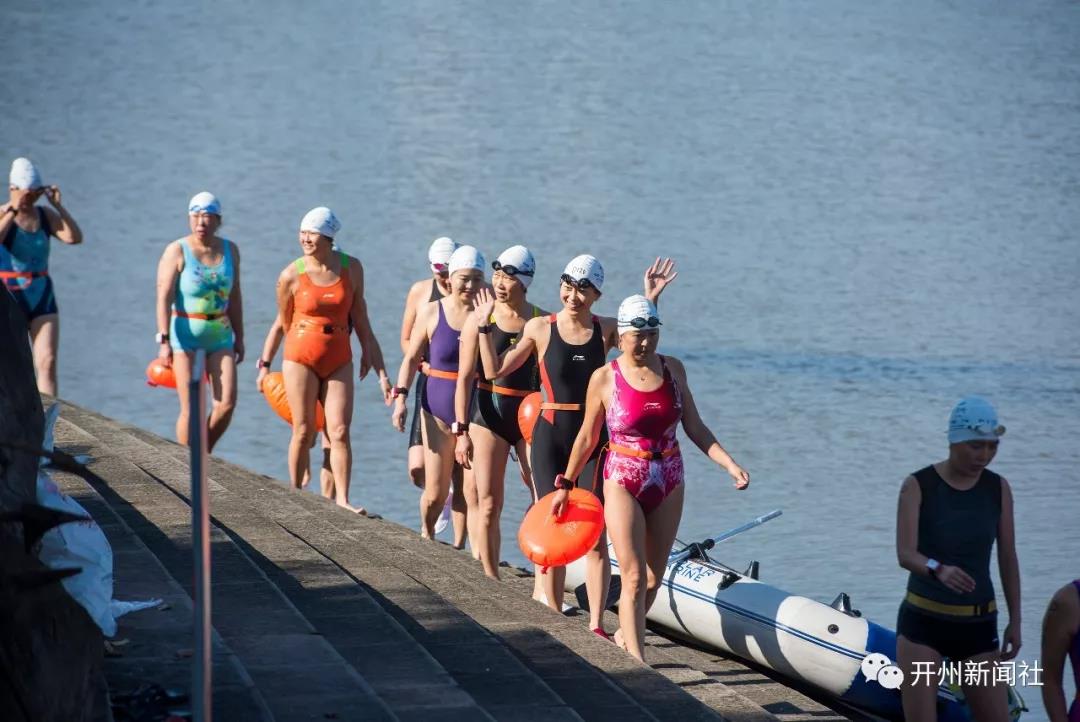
point(644, 422)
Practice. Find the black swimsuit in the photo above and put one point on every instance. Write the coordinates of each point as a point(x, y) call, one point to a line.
point(498, 411)
point(415, 438)
point(564, 373)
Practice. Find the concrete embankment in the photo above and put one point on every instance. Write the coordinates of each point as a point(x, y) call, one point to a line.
point(320, 614)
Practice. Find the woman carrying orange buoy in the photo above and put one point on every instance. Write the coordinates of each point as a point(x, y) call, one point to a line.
point(199, 306)
point(569, 346)
point(642, 396)
point(320, 300)
point(492, 419)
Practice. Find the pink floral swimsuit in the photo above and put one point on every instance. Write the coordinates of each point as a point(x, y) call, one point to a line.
point(645, 421)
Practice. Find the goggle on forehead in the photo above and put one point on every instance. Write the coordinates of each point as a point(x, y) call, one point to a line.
point(579, 283)
point(510, 270)
point(641, 322)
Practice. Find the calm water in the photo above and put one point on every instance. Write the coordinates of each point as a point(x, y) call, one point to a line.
point(874, 208)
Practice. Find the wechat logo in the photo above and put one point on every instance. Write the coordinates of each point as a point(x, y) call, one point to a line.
point(878, 668)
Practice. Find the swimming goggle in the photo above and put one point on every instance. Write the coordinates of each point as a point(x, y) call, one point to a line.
point(579, 284)
point(639, 322)
point(510, 270)
point(986, 429)
point(443, 269)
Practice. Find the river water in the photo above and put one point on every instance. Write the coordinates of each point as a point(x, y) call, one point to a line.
point(874, 208)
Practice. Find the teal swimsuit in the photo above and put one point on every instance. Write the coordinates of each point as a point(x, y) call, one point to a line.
point(24, 268)
point(199, 319)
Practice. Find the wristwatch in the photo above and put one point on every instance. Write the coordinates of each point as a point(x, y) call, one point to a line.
point(399, 391)
point(932, 566)
point(561, 482)
point(161, 337)
point(486, 328)
point(459, 428)
point(260, 364)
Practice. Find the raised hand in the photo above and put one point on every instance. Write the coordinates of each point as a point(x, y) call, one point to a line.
point(52, 193)
point(483, 305)
point(657, 277)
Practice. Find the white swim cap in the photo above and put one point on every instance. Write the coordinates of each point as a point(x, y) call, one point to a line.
point(466, 258)
point(24, 175)
point(974, 419)
point(204, 202)
point(637, 309)
point(321, 220)
point(586, 267)
point(520, 260)
point(440, 252)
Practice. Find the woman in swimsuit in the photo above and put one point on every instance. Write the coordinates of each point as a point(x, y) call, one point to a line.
point(199, 306)
point(1061, 639)
point(421, 293)
point(949, 516)
point(492, 419)
point(24, 261)
point(569, 346)
point(642, 396)
point(437, 331)
point(320, 300)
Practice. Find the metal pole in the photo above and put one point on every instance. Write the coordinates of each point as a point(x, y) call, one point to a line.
point(680, 556)
point(202, 683)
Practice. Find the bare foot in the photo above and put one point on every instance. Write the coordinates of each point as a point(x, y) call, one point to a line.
point(354, 509)
point(617, 638)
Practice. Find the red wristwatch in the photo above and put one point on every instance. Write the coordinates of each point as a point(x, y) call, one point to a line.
point(561, 482)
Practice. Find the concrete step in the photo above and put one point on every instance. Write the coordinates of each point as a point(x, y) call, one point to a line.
point(459, 603)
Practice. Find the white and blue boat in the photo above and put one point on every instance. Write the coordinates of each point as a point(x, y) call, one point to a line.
point(801, 639)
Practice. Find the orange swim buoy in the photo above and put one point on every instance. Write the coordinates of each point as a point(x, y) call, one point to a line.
point(528, 413)
point(273, 388)
point(158, 374)
point(551, 542)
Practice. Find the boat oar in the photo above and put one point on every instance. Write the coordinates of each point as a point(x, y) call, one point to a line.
point(677, 557)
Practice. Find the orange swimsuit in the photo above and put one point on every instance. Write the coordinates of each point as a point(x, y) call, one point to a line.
point(319, 335)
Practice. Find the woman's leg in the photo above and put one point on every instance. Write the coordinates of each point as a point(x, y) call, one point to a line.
point(45, 339)
point(989, 702)
point(472, 506)
point(490, 452)
point(438, 468)
point(661, 526)
point(459, 509)
point(181, 365)
point(338, 408)
point(326, 474)
point(626, 525)
point(221, 365)
point(301, 390)
point(919, 696)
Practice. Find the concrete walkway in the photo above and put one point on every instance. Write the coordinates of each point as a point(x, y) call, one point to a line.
point(320, 614)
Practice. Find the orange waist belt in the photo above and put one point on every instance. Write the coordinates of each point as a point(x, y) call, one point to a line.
point(440, 374)
point(23, 274)
point(552, 406)
point(327, 328)
point(504, 390)
point(644, 453)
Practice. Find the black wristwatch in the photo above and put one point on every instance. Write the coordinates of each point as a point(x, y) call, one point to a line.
point(260, 364)
point(399, 391)
point(161, 337)
point(486, 328)
point(561, 482)
point(459, 428)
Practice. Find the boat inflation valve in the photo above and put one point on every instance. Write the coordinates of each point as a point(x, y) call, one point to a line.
point(752, 570)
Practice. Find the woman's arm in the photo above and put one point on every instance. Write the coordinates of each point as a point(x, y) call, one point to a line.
point(463, 387)
point(658, 276)
point(516, 355)
point(1009, 567)
point(588, 435)
point(61, 223)
point(371, 353)
point(169, 268)
point(285, 283)
point(269, 350)
point(412, 303)
point(698, 432)
point(418, 342)
point(907, 542)
point(1061, 624)
point(236, 304)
